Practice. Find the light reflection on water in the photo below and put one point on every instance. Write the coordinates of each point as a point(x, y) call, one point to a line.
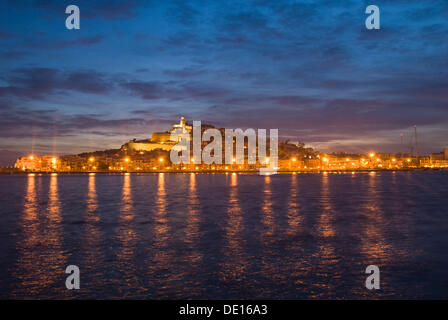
point(127, 237)
point(93, 256)
point(192, 229)
point(225, 236)
point(234, 268)
point(294, 217)
point(41, 231)
point(374, 244)
point(326, 254)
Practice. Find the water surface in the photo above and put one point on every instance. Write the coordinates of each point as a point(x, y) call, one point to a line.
point(216, 236)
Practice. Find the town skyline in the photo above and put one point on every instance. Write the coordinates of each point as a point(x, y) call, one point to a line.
point(409, 148)
point(205, 148)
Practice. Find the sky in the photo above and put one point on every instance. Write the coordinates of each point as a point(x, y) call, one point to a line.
point(309, 68)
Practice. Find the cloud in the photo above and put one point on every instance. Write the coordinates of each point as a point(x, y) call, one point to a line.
point(7, 35)
point(105, 9)
point(50, 44)
point(173, 90)
point(9, 55)
point(47, 123)
point(186, 72)
point(82, 41)
point(38, 82)
point(183, 12)
point(146, 90)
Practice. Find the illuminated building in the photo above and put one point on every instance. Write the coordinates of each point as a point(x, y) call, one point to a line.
point(37, 163)
point(153, 155)
point(159, 140)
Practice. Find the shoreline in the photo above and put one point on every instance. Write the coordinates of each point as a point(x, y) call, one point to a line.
point(216, 171)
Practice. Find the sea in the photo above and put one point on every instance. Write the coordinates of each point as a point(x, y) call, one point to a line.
point(225, 236)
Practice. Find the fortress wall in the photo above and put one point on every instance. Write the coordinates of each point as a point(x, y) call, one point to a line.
point(139, 146)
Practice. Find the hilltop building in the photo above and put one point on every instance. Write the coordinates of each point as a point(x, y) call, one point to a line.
point(159, 140)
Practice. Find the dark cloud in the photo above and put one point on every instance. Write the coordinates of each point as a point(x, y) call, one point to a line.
point(182, 11)
point(146, 90)
point(13, 54)
point(173, 91)
point(23, 122)
point(186, 72)
point(141, 70)
point(144, 112)
point(7, 35)
point(83, 41)
point(37, 83)
point(51, 44)
point(105, 9)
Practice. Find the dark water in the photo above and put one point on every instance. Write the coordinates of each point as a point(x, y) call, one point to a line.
point(225, 236)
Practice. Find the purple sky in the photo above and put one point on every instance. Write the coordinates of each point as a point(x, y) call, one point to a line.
point(309, 68)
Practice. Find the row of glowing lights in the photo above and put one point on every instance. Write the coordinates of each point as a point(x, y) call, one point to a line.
point(54, 160)
point(363, 161)
point(126, 174)
point(127, 159)
point(162, 160)
point(192, 159)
